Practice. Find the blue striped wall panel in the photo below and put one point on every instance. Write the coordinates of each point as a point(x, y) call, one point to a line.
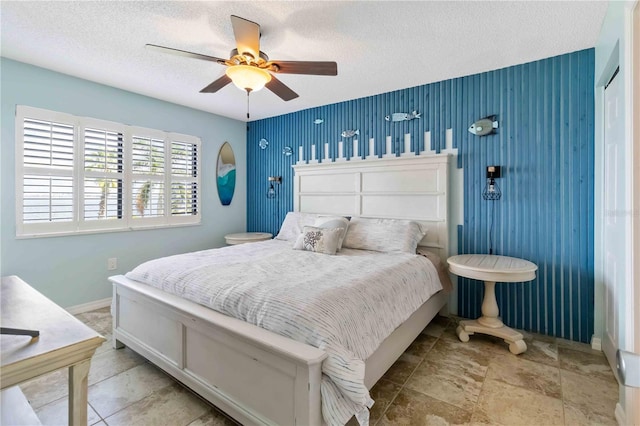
point(545, 145)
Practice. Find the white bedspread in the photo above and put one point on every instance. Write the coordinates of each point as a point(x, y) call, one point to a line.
point(345, 305)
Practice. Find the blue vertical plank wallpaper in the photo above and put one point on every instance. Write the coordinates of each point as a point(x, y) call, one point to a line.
point(545, 145)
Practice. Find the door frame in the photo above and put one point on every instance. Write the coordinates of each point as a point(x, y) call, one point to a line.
point(628, 407)
point(632, 395)
point(620, 50)
point(613, 280)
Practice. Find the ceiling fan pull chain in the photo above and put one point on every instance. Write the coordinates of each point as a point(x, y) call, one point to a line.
point(248, 92)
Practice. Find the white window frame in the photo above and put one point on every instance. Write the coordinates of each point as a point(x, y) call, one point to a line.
point(78, 225)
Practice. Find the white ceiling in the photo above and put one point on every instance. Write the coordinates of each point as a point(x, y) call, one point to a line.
point(379, 46)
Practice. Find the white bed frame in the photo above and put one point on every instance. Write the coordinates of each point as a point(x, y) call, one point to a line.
point(254, 375)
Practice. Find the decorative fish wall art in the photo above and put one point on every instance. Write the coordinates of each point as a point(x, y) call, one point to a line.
point(484, 126)
point(349, 133)
point(402, 116)
point(318, 121)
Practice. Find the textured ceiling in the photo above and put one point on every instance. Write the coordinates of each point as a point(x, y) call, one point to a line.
point(379, 46)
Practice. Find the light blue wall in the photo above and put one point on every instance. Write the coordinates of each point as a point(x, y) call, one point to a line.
point(72, 270)
point(544, 144)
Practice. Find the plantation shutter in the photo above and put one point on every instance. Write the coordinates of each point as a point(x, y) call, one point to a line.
point(47, 171)
point(148, 185)
point(103, 174)
point(184, 179)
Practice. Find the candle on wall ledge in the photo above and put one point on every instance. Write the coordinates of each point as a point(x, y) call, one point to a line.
point(427, 143)
point(313, 154)
point(300, 154)
point(448, 137)
point(407, 145)
point(371, 148)
point(388, 152)
point(340, 151)
point(326, 152)
point(356, 150)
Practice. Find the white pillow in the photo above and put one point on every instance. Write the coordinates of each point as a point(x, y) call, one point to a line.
point(293, 223)
point(339, 222)
point(318, 240)
point(385, 235)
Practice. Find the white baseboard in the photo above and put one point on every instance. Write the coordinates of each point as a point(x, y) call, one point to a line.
point(621, 418)
point(596, 344)
point(89, 306)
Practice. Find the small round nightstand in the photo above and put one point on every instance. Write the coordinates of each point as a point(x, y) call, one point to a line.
point(247, 237)
point(492, 269)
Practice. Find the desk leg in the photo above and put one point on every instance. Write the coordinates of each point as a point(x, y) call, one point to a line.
point(78, 384)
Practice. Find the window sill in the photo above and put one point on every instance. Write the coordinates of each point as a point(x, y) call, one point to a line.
point(26, 236)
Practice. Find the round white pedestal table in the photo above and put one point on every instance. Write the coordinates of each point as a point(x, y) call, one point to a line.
point(246, 237)
point(492, 269)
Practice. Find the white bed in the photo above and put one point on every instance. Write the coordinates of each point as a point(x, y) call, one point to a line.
point(260, 377)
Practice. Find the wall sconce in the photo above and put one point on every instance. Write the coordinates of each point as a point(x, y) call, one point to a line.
point(492, 190)
point(271, 192)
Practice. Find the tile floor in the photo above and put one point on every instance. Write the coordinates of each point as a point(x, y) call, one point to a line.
point(437, 381)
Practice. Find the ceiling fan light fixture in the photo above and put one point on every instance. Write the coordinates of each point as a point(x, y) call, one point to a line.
point(247, 77)
point(249, 68)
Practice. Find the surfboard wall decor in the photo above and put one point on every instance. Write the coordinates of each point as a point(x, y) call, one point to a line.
point(226, 174)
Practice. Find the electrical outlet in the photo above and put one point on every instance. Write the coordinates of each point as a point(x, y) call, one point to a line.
point(112, 263)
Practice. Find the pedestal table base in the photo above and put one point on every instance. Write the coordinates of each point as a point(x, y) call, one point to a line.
point(509, 335)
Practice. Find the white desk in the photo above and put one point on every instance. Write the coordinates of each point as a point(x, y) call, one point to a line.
point(64, 342)
point(492, 269)
point(247, 237)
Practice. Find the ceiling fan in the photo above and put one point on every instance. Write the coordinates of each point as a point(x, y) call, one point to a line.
point(249, 68)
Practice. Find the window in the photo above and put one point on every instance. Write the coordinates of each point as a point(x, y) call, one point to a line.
point(76, 174)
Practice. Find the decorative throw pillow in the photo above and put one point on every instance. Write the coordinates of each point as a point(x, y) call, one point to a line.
point(293, 224)
point(318, 240)
point(339, 222)
point(385, 235)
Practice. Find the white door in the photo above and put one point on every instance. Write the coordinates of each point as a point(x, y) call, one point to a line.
point(614, 229)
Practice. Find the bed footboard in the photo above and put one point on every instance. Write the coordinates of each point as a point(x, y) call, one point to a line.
point(255, 376)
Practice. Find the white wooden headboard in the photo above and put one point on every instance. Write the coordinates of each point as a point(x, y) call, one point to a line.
point(415, 188)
